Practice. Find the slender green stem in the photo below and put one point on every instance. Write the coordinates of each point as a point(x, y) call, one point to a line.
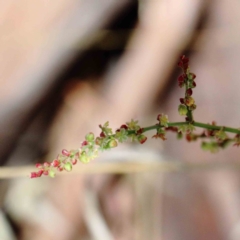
point(212, 127)
point(196, 124)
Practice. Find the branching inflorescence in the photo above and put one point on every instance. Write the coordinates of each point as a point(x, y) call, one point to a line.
point(216, 136)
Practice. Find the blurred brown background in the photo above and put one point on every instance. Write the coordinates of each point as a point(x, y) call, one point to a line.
point(67, 66)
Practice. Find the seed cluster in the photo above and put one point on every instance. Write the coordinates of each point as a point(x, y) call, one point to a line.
point(186, 79)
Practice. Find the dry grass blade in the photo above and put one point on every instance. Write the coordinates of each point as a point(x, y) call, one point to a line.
point(125, 168)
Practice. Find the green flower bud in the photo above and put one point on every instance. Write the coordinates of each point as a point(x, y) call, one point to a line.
point(72, 153)
point(179, 135)
point(163, 120)
point(182, 110)
point(51, 173)
point(193, 107)
point(83, 157)
point(89, 137)
point(112, 143)
point(98, 141)
point(68, 166)
point(189, 101)
point(191, 76)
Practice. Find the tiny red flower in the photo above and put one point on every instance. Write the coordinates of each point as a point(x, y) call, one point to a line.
point(38, 165)
point(60, 169)
point(124, 126)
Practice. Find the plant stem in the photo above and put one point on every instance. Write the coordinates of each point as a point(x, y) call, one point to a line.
point(212, 127)
point(196, 124)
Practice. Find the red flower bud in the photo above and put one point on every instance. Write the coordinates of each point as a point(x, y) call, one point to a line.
point(55, 163)
point(74, 161)
point(181, 78)
point(39, 173)
point(139, 131)
point(184, 59)
point(84, 143)
point(189, 92)
point(33, 175)
point(181, 100)
point(183, 63)
point(180, 64)
point(46, 164)
point(124, 126)
point(142, 139)
point(102, 134)
point(65, 152)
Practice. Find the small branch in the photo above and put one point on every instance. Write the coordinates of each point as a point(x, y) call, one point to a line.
point(108, 139)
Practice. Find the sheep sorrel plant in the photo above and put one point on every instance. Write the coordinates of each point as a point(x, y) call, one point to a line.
point(215, 135)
